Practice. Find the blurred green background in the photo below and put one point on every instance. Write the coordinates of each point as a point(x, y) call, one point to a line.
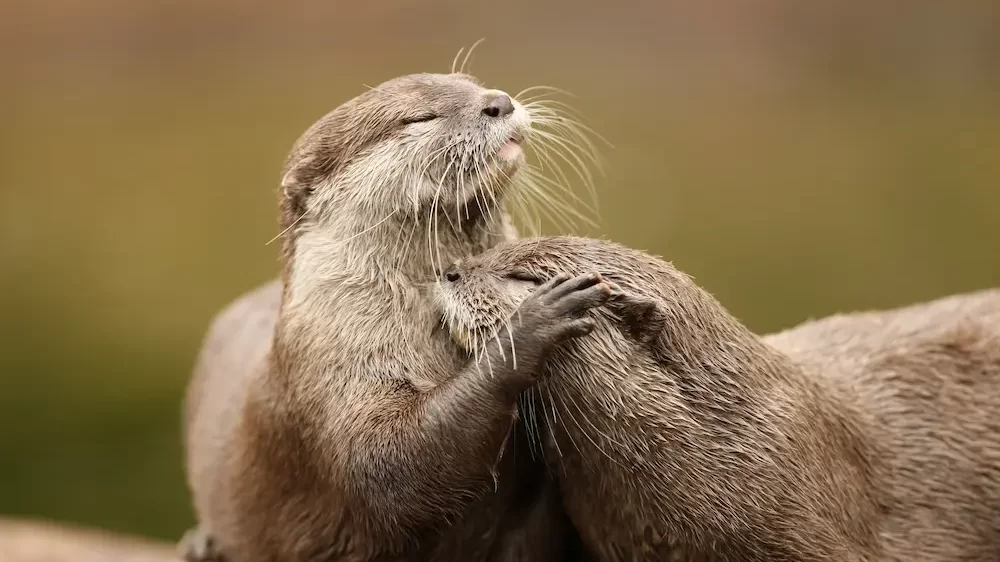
point(798, 159)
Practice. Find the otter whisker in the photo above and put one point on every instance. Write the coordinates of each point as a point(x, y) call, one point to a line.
point(593, 428)
point(460, 187)
point(513, 353)
point(433, 239)
point(454, 62)
point(366, 230)
point(538, 173)
point(569, 434)
point(542, 87)
point(569, 130)
point(555, 209)
point(571, 121)
point(540, 181)
point(563, 186)
point(546, 207)
point(465, 68)
point(489, 363)
point(551, 114)
point(546, 161)
point(522, 208)
point(436, 249)
point(545, 415)
point(528, 214)
point(557, 109)
point(287, 228)
point(495, 337)
point(544, 149)
point(527, 400)
point(552, 108)
point(479, 180)
point(571, 157)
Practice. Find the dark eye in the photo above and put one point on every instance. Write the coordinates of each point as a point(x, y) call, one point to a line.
point(522, 275)
point(420, 118)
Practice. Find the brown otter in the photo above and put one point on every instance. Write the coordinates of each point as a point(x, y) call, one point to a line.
point(329, 417)
point(675, 431)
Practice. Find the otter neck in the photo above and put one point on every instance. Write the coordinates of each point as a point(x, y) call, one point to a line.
point(382, 253)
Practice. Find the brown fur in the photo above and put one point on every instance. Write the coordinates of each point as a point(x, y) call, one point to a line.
point(676, 432)
point(329, 417)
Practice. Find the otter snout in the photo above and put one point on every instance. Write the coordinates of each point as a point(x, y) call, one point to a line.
point(451, 274)
point(499, 105)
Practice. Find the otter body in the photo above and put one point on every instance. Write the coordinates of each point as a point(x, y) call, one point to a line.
point(329, 417)
point(928, 378)
point(676, 433)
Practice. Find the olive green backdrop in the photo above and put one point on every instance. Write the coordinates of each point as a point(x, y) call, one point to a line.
point(796, 160)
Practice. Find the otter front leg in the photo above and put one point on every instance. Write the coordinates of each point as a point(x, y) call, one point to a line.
point(427, 460)
point(198, 545)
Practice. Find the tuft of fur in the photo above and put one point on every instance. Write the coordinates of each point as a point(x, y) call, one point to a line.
point(329, 417)
point(676, 433)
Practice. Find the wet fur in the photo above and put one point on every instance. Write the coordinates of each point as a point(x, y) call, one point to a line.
point(676, 433)
point(328, 417)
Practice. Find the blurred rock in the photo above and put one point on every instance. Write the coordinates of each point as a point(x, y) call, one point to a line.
point(35, 541)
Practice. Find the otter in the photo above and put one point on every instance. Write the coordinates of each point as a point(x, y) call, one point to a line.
point(676, 433)
point(329, 417)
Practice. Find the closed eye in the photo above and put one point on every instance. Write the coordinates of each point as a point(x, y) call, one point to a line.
point(421, 118)
point(522, 275)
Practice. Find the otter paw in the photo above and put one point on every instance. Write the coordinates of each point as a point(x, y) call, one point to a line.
point(557, 308)
point(198, 545)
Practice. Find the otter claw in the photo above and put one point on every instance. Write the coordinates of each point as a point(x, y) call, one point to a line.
point(578, 283)
point(581, 300)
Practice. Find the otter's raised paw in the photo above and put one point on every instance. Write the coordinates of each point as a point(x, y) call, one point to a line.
point(198, 545)
point(556, 310)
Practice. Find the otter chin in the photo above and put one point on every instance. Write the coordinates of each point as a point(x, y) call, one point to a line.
point(510, 154)
point(674, 432)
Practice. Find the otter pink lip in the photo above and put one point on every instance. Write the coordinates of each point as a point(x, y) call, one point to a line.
point(510, 148)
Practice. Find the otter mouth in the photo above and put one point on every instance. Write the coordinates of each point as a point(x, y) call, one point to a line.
point(462, 337)
point(510, 151)
point(506, 160)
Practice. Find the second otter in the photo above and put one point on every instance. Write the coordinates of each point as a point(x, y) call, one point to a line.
point(675, 431)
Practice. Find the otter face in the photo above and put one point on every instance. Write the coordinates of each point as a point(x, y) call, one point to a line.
point(478, 296)
point(426, 142)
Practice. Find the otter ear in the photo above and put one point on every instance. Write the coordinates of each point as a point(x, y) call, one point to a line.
point(297, 185)
point(298, 179)
point(642, 319)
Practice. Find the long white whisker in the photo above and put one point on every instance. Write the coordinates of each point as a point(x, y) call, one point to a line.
point(465, 62)
point(454, 61)
point(287, 228)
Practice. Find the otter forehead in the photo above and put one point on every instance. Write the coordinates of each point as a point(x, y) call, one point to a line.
point(373, 114)
point(408, 96)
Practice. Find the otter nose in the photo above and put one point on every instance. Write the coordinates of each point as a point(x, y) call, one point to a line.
point(500, 106)
point(451, 274)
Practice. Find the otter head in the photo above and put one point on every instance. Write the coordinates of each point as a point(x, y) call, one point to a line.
point(417, 150)
point(478, 296)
